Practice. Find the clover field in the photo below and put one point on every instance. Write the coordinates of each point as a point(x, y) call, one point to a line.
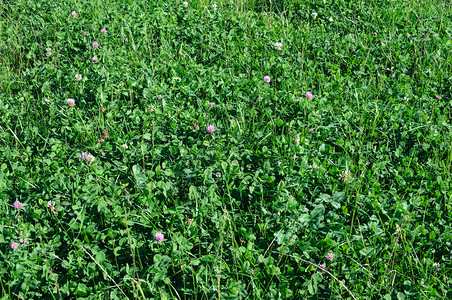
point(238, 149)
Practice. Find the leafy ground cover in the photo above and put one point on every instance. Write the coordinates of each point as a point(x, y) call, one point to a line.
point(229, 150)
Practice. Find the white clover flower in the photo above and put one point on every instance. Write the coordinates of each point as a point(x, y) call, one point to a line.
point(214, 6)
point(346, 175)
point(90, 159)
point(278, 46)
point(330, 19)
point(314, 15)
point(78, 77)
point(49, 51)
point(125, 146)
point(51, 204)
point(185, 4)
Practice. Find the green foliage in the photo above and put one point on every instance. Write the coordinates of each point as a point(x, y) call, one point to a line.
point(361, 172)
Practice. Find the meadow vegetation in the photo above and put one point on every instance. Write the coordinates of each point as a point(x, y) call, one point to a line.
point(237, 149)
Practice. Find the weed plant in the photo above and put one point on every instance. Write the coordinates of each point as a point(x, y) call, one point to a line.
point(233, 150)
